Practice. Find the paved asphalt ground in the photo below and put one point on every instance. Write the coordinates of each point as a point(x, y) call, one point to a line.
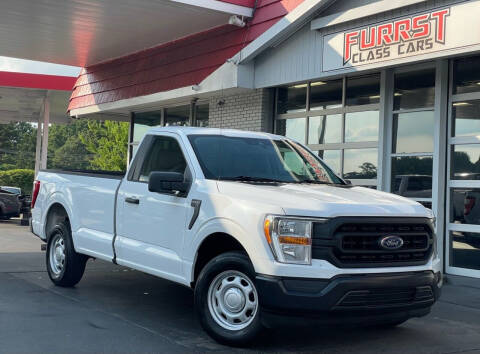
point(114, 309)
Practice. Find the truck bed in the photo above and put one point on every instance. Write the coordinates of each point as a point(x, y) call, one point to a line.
point(91, 196)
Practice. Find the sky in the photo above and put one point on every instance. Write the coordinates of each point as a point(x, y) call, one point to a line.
point(36, 67)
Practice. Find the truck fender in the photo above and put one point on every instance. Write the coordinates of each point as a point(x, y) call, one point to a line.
point(253, 247)
point(57, 198)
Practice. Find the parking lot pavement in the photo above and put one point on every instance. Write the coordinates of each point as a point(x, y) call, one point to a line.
point(114, 309)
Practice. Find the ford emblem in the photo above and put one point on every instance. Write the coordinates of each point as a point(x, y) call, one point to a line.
point(391, 242)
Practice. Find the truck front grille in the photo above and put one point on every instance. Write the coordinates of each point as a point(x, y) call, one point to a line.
point(375, 298)
point(357, 243)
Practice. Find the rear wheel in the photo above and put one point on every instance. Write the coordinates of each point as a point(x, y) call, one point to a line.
point(226, 299)
point(65, 266)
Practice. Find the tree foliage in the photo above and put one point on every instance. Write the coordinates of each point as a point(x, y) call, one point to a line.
point(17, 146)
point(107, 142)
point(21, 178)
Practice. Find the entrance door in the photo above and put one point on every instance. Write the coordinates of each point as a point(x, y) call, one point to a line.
point(463, 187)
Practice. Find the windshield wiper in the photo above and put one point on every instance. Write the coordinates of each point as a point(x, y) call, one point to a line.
point(249, 179)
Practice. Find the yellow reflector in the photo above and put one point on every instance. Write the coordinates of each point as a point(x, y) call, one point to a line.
point(266, 230)
point(295, 240)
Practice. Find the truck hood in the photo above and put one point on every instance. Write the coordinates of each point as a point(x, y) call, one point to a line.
point(324, 200)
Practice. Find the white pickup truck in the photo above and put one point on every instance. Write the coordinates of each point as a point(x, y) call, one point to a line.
point(259, 227)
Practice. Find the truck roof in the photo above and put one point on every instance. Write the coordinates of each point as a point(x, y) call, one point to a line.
point(214, 131)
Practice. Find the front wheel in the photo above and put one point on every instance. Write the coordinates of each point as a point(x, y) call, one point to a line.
point(65, 266)
point(226, 299)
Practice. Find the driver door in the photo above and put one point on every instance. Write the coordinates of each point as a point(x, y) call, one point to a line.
point(151, 226)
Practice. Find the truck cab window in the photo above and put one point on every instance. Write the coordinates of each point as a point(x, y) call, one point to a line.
point(164, 155)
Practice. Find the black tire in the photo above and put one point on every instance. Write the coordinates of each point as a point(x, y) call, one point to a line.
point(236, 263)
point(73, 265)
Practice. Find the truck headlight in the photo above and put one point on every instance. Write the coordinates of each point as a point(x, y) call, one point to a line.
point(289, 238)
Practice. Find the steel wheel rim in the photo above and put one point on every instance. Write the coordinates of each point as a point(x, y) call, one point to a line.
point(232, 300)
point(57, 255)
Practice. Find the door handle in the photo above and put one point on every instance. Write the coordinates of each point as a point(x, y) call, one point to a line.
point(132, 200)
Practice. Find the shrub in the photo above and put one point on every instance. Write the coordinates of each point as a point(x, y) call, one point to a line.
point(18, 178)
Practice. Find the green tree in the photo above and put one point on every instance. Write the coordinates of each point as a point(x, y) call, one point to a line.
point(17, 146)
point(65, 149)
point(107, 142)
point(21, 178)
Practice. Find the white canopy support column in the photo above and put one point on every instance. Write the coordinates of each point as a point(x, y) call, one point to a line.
point(38, 149)
point(46, 122)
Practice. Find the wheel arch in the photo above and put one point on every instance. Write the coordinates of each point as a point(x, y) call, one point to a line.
point(212, 246)
point(56, 213)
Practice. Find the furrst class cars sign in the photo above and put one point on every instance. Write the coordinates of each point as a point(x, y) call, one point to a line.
point(422, 33)
point(402, 37)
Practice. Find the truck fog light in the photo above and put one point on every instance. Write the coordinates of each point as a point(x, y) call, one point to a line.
point(289, 239)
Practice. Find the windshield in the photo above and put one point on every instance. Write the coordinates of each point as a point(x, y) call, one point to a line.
point(11, 190)
point(259, 159)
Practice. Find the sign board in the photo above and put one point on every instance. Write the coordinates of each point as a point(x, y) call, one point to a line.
point(419, 34)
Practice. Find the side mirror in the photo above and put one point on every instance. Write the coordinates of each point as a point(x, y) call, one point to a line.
point(168, 182)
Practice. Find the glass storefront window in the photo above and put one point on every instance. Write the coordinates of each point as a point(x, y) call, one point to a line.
point(360, 163)
point(361, 126)
point(363, 90)
point(177, 115)
point(414, 90)
point(325, 129)
point(333, 159)
point(143, 122)
point(292, 128)
point(466, 118)
point(465, 249)
point(466, 75)
point(412, 176)
point(292, 99)
point(201, 116)
point(466, 162)
point(465, 206)
point(326, 94)
point(413, 132)
point(342, 116)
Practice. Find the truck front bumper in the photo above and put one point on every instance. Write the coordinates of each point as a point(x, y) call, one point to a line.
point(368, 298)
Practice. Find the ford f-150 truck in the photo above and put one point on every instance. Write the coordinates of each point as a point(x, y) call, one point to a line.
point(256, 224)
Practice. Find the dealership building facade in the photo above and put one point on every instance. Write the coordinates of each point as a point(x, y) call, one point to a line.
point(387, 92)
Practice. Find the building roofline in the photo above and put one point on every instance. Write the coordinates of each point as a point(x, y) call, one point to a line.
point(283, 29)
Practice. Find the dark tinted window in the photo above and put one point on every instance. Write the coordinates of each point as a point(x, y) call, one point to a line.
point(465, 206)
point(326, 94)
point(466, 75)
point(164, 155)
point(414, 90)
point(224, 157)
point(363, 90)
point(292, 99)
point(412, 176)
point(177, 115)
point(466, 161)
point(201, 117)
point(465, 249)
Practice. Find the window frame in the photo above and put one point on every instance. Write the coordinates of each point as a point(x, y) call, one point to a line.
point(452, 184)
point(145, 148)
point(343, 111)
